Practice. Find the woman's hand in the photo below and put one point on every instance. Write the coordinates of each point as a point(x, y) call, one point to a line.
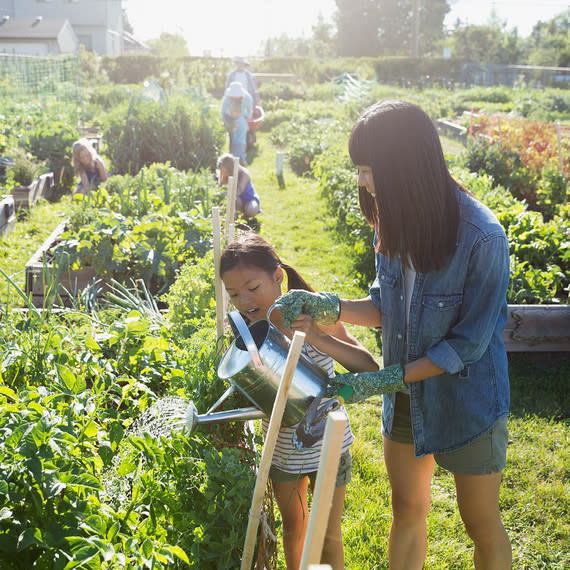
point(367, 384)
point(323, 307)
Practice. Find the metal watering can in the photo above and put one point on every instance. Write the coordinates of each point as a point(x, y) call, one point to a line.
point(254, 364)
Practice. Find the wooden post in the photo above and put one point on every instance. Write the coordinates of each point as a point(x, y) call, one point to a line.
point(269, 447)
point(218, 287)
point(231, 209)
point(324, 489)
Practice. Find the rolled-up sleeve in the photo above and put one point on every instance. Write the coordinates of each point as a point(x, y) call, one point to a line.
point(483, 308)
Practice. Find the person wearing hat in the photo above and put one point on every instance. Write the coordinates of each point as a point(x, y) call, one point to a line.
point(237, 107)
point(242, 74)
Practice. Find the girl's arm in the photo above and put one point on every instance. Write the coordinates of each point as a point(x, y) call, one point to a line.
point(338, 343)
point(84, 181)
point(243, 179)
point(100, 165)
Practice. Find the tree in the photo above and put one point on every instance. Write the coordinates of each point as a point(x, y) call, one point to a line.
point(322, 40)
point(357, 23)
point(477, 44)
point(169, 45)
point(549, 42)
point(372, 27)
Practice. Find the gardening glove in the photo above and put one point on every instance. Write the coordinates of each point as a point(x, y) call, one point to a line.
point(323, 307)
point(366, 384)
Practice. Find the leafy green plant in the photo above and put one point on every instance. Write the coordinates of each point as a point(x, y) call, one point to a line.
point(186, 132)
point(53, 143)
point(23, 171)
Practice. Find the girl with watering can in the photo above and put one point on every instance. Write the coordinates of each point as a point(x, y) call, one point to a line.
point(253, 275)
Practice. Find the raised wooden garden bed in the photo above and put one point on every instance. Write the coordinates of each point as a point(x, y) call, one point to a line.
point(40, 273)
point(26, 196)
point(538, 328)
point(7, 215)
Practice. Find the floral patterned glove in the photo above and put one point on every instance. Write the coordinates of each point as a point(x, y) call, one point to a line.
point(366, 384)
point(323, 307)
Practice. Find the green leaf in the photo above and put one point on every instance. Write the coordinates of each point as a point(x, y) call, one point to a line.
point(147, 548)
point(179, 553)
point(8, 392)
point(128, 465)
point(92, 344)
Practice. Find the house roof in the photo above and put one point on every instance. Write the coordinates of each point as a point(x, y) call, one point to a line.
point(31, 28)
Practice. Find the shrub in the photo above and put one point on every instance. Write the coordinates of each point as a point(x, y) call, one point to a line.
point(503, 164)
point(53, 143)
point(23, 170)
point(187, 133)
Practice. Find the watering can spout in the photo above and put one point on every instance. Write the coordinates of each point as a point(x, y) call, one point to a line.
point(192, 419)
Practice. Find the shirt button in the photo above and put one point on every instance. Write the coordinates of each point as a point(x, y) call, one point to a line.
point(401, 297)
point(440, 304)
point(399, 336)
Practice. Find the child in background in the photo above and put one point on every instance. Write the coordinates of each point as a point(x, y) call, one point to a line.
point(253, 274)
point(247, 200)
point(237, 108)
point(87, 164)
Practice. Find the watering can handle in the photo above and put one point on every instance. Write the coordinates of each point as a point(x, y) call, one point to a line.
point(239, 323)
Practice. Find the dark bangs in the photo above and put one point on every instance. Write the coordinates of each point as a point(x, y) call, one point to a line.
point(415, 212)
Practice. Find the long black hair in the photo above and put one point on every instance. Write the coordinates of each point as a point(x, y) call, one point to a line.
point(415, 211)
point(251, 250)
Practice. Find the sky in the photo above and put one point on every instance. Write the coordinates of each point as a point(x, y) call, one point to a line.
point(228, 28)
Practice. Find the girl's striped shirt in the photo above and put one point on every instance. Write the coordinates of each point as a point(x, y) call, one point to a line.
point(286, 456)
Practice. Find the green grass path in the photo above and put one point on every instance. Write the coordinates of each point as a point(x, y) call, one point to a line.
point(295, 221)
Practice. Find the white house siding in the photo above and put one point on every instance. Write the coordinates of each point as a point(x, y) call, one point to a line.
point(94, 21)
point(41, 48)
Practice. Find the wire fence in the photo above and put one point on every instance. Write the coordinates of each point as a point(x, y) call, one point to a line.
point(28, 78)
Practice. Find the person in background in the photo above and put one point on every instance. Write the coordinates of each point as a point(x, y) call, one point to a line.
point(88, 165)
point(442, 264)
point(236, 110)
point(247, 200)
point(244, 76)
point(253, 275)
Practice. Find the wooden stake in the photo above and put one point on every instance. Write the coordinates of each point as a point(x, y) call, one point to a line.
point(218, 286)
point(324, 489)
point(269, 447)
point(231, 209)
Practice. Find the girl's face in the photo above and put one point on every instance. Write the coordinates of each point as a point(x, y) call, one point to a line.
point(84, 157)
point(365, 179)
point(253, 290)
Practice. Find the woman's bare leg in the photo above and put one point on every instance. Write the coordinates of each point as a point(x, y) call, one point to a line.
point(410, 480)
point(478, 500)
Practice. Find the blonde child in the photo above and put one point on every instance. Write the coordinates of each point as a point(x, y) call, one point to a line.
point(253, 274)
point(247, 200)
point(87, 164)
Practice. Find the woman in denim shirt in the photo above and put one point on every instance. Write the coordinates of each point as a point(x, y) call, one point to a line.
point(442, 262)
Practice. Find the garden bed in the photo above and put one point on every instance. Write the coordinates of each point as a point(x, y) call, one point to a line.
point(26, 196)
point(40, 273)
point(538, 328)
point(7, 215)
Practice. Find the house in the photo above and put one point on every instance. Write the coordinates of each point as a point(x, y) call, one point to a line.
point(98, 24)
point(37, 36)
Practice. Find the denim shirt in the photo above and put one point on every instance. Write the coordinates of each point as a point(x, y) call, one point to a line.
point(457, 316)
